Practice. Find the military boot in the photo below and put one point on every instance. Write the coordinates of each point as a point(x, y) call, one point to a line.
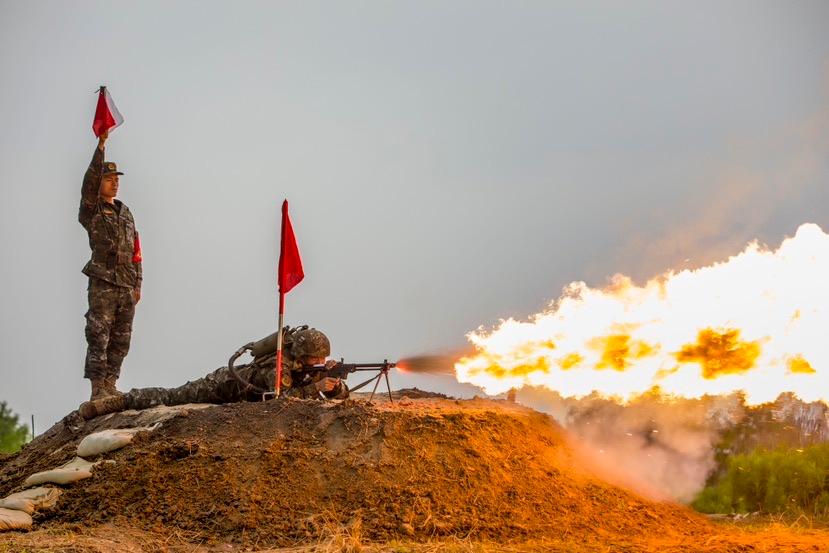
point(104, 406)
point(109, 386)
point(98, 389)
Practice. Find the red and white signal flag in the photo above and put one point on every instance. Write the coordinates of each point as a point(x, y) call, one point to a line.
point(289, 275)
point(107, 116)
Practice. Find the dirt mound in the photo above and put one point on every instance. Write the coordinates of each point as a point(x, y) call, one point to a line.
point(431, 474)
point(276, 473)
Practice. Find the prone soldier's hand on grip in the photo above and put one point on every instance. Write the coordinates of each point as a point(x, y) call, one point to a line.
point(327, 384)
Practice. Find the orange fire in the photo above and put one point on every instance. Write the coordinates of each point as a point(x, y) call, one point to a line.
point(756, 323)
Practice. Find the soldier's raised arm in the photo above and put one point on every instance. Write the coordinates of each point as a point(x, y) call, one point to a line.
point(92, 182)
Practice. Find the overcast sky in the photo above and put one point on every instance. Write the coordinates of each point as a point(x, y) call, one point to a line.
point(448, 164)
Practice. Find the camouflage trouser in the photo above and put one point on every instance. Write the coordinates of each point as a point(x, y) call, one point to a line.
point(220, 387)
point(217, 387)
point(108, 328)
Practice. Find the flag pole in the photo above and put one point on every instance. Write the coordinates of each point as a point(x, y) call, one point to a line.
point(289, 273)
point(278, 385)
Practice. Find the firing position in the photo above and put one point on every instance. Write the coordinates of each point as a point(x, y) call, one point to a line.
point(114, 272)
point(303, 347)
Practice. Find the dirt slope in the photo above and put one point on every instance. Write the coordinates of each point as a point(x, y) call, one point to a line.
point(278, 474)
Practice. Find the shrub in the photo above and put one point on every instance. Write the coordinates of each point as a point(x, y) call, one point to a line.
point(777, 481)
point(12, 434)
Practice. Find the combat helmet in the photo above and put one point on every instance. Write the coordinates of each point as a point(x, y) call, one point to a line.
point(310, 342)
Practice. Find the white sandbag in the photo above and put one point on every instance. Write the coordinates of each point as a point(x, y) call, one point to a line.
point(107, 440)
point(74, 470)
point(31, 500)
point(162, 413)
point(110, 440)
point(14, 520)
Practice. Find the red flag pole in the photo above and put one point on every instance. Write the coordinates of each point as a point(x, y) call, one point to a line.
point(278, 386)
point(289, 275)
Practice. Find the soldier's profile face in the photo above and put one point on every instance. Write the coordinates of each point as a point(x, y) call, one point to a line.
point(109, 186)
point(308, 360)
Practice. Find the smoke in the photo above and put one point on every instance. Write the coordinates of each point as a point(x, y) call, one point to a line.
point(432, 363)
point(713, 219)
point(656, 446)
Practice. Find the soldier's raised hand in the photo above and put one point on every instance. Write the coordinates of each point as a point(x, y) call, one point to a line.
point(102, 139)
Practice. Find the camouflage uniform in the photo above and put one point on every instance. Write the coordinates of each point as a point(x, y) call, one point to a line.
point(221, 387)
point(114, 272)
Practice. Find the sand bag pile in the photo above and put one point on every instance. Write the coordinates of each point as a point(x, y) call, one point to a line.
point(16, 509)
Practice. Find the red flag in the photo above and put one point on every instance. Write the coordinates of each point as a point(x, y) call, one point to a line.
point(290, 265)
point(107, 116)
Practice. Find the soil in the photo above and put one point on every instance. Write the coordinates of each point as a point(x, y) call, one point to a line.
point(409, 476)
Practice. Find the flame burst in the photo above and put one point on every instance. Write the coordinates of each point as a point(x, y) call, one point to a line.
point(757, 323)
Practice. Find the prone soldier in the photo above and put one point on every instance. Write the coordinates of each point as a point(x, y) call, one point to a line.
point(114, 271)
point(302, 347)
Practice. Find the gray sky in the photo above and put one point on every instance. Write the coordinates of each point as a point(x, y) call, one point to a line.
point(447, 163)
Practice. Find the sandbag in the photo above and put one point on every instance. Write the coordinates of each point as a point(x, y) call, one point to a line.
point(31, 500)
point(108, 440)
point(74, 470)
point(14, 520)
point(154, 416)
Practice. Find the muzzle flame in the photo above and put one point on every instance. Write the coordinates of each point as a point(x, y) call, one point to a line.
point(757, 323)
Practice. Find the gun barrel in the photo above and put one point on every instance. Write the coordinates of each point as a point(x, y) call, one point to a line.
point(357, 366)
point(370, 366)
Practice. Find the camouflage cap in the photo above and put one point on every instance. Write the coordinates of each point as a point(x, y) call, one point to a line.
point(111, 169)
point(310, 342)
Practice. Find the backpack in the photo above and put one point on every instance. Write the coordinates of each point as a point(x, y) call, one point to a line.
point(266, 347)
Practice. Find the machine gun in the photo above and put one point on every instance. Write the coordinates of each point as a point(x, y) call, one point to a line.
point(341, 370)
point(263, 353)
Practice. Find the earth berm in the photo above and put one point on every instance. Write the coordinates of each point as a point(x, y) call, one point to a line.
point(426, 474)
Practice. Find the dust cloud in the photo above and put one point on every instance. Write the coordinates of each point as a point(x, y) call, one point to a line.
point(659, 447)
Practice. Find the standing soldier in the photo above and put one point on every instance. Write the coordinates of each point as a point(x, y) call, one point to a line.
point(114, 273)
